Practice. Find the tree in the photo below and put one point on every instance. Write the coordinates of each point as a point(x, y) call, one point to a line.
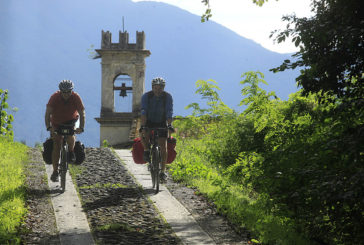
point(331, 48)
point(208, 14)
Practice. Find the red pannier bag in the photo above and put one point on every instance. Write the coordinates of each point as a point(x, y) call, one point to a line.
point(171, 145)
point(137, 151)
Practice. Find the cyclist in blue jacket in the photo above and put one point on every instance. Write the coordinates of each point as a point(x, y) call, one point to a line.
point(156, 112)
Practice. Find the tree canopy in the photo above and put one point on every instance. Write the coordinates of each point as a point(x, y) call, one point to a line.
point(331, 48)
point(306, 153)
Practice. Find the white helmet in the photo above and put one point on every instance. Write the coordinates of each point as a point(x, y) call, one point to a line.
point(65, 85)
point(159, 81)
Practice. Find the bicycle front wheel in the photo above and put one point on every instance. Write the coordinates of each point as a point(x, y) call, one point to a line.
point(63, 168)
point(155, 168)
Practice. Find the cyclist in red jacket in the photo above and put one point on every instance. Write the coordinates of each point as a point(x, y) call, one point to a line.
point(64, 107)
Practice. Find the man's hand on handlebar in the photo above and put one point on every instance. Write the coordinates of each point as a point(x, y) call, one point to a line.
point(171, 128)
point(52, 130)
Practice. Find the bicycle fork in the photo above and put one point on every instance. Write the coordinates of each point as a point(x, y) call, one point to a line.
point(63, 166)
point(155, 168)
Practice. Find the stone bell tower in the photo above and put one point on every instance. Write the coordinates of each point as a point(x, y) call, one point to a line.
point(122, 58)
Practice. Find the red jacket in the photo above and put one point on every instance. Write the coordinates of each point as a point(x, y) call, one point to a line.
point(64, 111)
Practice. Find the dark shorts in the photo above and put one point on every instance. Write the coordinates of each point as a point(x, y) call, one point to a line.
point(70, 123)
point(163, 133)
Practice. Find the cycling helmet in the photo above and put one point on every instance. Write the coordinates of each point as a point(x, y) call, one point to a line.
point(65, 85)
point(159, 81)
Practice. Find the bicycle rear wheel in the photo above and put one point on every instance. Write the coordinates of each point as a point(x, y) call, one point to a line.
point(152, 175)
point(63, 168)
point(155, 168)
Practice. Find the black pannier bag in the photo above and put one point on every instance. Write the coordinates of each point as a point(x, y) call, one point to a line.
point(47, 151)
point(79, 152)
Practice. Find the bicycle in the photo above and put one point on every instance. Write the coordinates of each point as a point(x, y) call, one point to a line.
point(65, 131)
point(155, 157)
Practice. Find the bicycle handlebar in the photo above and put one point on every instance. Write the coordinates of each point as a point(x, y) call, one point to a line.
point(159, 128)
point(65, 131)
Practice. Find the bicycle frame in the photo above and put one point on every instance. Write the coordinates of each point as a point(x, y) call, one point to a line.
point(65, 131)
point(155, 156)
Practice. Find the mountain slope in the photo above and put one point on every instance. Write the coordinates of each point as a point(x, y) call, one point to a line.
point(44, 42)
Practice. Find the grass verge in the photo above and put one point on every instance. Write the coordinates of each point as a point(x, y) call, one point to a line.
point(243, 207)
point(13, 156)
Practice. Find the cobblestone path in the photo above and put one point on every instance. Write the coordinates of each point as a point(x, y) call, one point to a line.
point(117, 210)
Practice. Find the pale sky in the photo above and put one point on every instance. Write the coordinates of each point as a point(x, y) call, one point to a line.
point(249, 20)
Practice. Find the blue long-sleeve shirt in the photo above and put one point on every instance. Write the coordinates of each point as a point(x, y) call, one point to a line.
point(153, 109)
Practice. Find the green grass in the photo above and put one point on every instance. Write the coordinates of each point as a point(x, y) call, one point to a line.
point(241, 205)
point(75, 170)
point(12, 191)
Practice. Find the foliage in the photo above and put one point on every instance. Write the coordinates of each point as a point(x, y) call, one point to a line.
point(242, 206)
point(216, 110)
point(38, 145)
point(331, 48)
point(76, 170)
point(5, 118)
point(302, 159)
point(12, 191)
point(260, 2)
point(208, 14)
point(105, 143)
point(92, 54)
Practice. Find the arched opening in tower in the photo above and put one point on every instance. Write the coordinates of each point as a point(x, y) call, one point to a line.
point(123, 93)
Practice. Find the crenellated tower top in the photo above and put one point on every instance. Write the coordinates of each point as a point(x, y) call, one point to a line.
point(123, 44)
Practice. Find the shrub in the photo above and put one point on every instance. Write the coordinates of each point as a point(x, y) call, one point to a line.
point(303, 157)
point(5, 118)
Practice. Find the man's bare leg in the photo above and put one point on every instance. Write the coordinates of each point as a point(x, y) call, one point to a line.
point(57, 141)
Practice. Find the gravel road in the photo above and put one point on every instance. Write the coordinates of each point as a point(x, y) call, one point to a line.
point(117, 209)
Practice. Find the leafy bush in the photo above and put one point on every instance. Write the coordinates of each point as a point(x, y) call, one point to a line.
point(240, 204)
point(304, 157)
point(5, 118)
